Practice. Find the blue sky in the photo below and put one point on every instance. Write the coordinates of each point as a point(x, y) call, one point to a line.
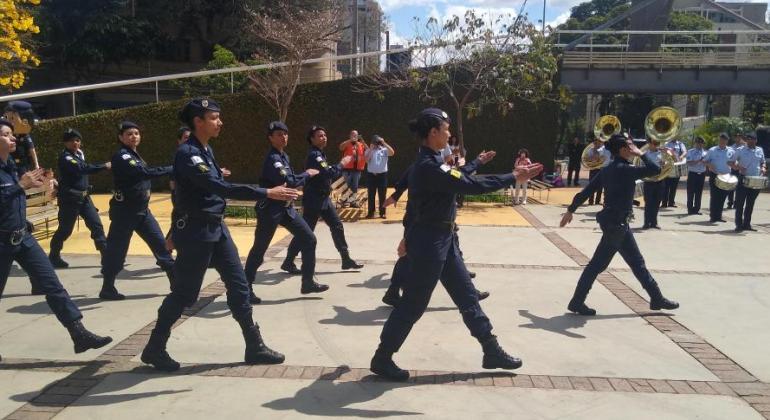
point(401, 12)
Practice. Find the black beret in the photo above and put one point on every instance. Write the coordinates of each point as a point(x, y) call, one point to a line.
point(19, 106)
point(125, 125)
point(750, 135)
point(435, 112)
point(197, 108)
point(70, 134)
point(275, 126)
point(725, 135)
point(6, 123)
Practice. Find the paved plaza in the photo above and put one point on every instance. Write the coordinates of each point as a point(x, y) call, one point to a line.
point(706, 360)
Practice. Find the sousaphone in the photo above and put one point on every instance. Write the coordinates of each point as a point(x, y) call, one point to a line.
point(662, 124)
point(606, 126)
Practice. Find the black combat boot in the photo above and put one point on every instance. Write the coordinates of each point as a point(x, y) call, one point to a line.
point(257, 353)
point(347, 262)
point(482, 295)
point(657, 301)
point(382, 364)
point(580, 308)
point(472, 274)
point(495, 357)
point(253, 299)
point(310, 286)
point(391, 296)
point(155, 353)
point(56, 261)
point(84, 339)
point(109, 292)
point(289, 267)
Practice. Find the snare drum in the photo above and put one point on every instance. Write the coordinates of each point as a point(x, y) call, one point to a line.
point(755, 182)
point(726, 182)
point(639, 188)
point(679, 170)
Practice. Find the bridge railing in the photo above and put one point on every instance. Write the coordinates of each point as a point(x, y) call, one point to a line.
point(664, 59)
point(735, 40)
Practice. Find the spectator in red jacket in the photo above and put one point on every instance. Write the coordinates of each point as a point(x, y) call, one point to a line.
point(354, 147)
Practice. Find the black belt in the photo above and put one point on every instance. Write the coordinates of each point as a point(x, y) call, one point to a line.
point(121, 196)
point(13, 237)
point(443, 225)
point(207, 218)
point(77, 193)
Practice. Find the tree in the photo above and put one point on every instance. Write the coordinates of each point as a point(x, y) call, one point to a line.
point(711, 129)
point(17, 25)
point(218, 83)
point(474, 64)
point(290, 34)
point(83, 37)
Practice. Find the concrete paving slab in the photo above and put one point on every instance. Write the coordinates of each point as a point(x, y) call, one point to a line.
point(130, 396)
point(18, 387)
point(30, 330)
point(527, 308)
point(480, 244)
point(697, 251)
point(731, 313)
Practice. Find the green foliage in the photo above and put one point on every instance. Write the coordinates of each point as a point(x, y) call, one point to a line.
point(87, 35)
point(238, 212)
point(242, 145)
point(710, 130)
point(219, 83)
point(756, 109)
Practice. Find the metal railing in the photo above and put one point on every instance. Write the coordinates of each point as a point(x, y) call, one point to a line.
point(751, 39)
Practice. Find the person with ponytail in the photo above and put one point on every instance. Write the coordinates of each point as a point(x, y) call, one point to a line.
point(433, 249)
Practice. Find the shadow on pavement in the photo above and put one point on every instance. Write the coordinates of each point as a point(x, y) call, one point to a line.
point(83, 303)
point(219, 309)
point(561, 324)
point(376, 282)
point(324, 397)
point(376, 316)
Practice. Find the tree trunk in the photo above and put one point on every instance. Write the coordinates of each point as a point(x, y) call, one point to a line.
point(459, 130)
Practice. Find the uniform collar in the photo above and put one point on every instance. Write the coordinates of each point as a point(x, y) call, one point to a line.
point(276, 151)
point(316, 149)
point(192, 140)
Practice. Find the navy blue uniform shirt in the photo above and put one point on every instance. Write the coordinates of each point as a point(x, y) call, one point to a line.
point(319, 187)
point(132, 177)
point(13, 201)
point(277, 171)
point(619, 180)
point(74, 171)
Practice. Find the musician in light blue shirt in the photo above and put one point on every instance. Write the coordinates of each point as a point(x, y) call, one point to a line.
point(696, 175)
point(750, 162)
point(597, 151)
point(716, 162)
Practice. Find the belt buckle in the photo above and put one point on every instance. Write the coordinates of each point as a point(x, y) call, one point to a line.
point(17, 236)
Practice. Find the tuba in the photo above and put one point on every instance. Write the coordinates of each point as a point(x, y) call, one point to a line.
point(606, 126)
point(662, 124)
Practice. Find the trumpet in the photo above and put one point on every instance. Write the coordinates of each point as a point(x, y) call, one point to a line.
point(661, 124)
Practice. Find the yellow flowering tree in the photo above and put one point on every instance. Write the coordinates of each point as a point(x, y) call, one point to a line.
point(16, 27)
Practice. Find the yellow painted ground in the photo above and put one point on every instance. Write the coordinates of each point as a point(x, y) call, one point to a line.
point(243, 230)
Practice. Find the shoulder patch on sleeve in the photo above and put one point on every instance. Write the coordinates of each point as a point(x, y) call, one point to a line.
point(319, 159)
point(72, 160)
point(324, 165)
point(283, 172)
point(196, 159)
point(132, 162)
point(126, 156)
point(277, 165)
point(445, 167)
point(203, 168)
point(455, 173)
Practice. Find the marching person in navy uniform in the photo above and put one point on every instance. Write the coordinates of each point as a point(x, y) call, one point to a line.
point(432, 249)
point(749, 161)
point(202, 238)
point(613, 220)
point(129, 211)
point(276, 171)
point(316, 202)
point(696, 176)
point(17, 243)
point(401, 268)
point(23, 118)
point(74, 197)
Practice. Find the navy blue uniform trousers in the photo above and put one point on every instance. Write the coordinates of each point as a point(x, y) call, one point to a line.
point(653, 194)
point(615, 238)
point(122, 228)
point(331, 218)
point(744, 196)
point(35, 262)
point(266, 226)
point(717, 199)
point(69, 210)
point(423, 276)
point(193, 258)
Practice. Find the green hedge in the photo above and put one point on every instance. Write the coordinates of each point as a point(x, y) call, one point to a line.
point(242, 144)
